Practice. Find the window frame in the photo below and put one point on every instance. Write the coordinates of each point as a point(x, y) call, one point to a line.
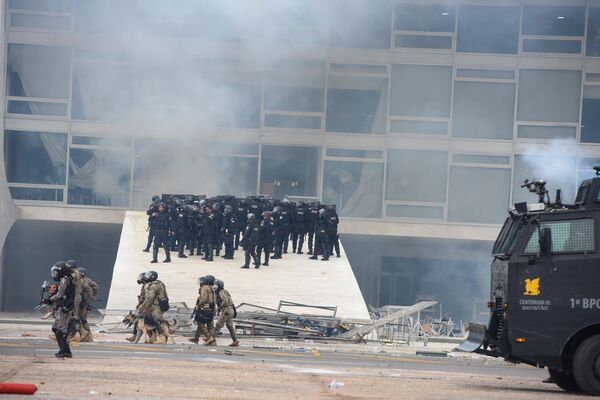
point(567, 218)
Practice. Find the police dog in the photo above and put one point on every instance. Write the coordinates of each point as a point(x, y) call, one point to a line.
point(147, 326)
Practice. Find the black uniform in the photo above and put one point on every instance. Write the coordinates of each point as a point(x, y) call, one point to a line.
point(219, 221)
point(332, 232)
point(208, 236)
point(162, 223)
point(286, 226)
point(322, 242)
point(151, 211)
point(198, 240)
point(229, 231)
point(299, 228)
point(313, 215)
point(240, 215)
point(181, 230)
point(250, 242)
point(278, 234)
point(267, 228)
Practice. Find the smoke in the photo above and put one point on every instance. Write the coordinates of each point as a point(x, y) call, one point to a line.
point(553, 162)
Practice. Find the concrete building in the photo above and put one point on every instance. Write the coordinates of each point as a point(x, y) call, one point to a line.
point(419, 119)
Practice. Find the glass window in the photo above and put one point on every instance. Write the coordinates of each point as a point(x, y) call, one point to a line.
point(289, 170)
point(416, 175)
point(235, 176)
point(18, 20)
point(295, 86)
point(423, 41)
point(546, 132)
point(412, 211)
point(590, 115)
point(59, 6)
point(483, 110)
point(424, 17)
point(488, 29)
point(38, 71)
point(569, 236)
point(102, 92)
point(558, 171)
point(551, 46)
point(419, 127)
point(35, 157)
point(99, 177)
point(356, 188)
point(359, 69)
point(480, 159)
point(485, 73)
point(553, 20)
point(356, 104)
point(479, 195)
point(360, 24)
point(549, 95)
point(294, 99)
point(592, 48)
point(292, 121)
point(105, 16)
point(36, 108)
point(332, 152)
point(421, 90)
point(36, 194)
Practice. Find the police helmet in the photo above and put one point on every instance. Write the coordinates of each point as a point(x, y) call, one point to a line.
point(321, 211)
point(250, 216)
point(210, 279)
point(219, 283)
point(59, 270)
point(216, 206)
point(72, 264)
point(202, 281)
point(285, 200)
point(155, 197)
point(276, 209)
point(141, 278)
point(331, 207)
point(151, 276)
point(228, 209)
point(82, 271)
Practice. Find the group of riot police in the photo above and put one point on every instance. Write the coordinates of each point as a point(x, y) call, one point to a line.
point(207, 226)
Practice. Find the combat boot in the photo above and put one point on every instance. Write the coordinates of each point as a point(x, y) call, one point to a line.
point(314, 257)
point(235, 343)
point(130, 338)
point(193, 340)
point(244, 266)
point(154, 255)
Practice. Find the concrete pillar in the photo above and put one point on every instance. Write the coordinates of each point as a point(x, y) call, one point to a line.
point(8, 211)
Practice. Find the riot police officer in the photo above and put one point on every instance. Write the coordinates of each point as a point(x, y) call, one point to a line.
point(299, 227)
point(278, 232)
point(266, 237)
point(208, 233)
point(322, 239)
point(250, 242)
point(162, 223)
point(240, 216)
point(332, 231)
point(153, 209)
point(229, 231)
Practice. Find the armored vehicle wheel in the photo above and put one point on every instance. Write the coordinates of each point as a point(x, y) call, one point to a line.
point(564, 381)
point(586, 365)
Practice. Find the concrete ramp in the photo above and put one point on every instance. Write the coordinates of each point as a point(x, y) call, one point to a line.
point(294, 278)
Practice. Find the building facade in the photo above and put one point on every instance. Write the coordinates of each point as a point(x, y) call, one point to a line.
point(418, 119)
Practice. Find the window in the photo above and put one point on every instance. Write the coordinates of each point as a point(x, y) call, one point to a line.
point(57, 6)
point(40, 75)
point(105, 16)
point(562, 175)
point(99, 177)
point(356, 188)
point(360, 24)
point(289, 170)
point(592, 48)
point(35, 157)
point(294, 95)
point(416, 175)
point(483, 110)
point(590, 115)
point(421, 90)
point(569, 236)
point(479, 195)
point(102, 92)
point(553, 20)
point(424, 17)
point(549, 95)
point(551, 46)
point(546, 132)
point(356, 104)
point(488, 29)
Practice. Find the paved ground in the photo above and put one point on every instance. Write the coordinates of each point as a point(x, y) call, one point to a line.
point(260, 369)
